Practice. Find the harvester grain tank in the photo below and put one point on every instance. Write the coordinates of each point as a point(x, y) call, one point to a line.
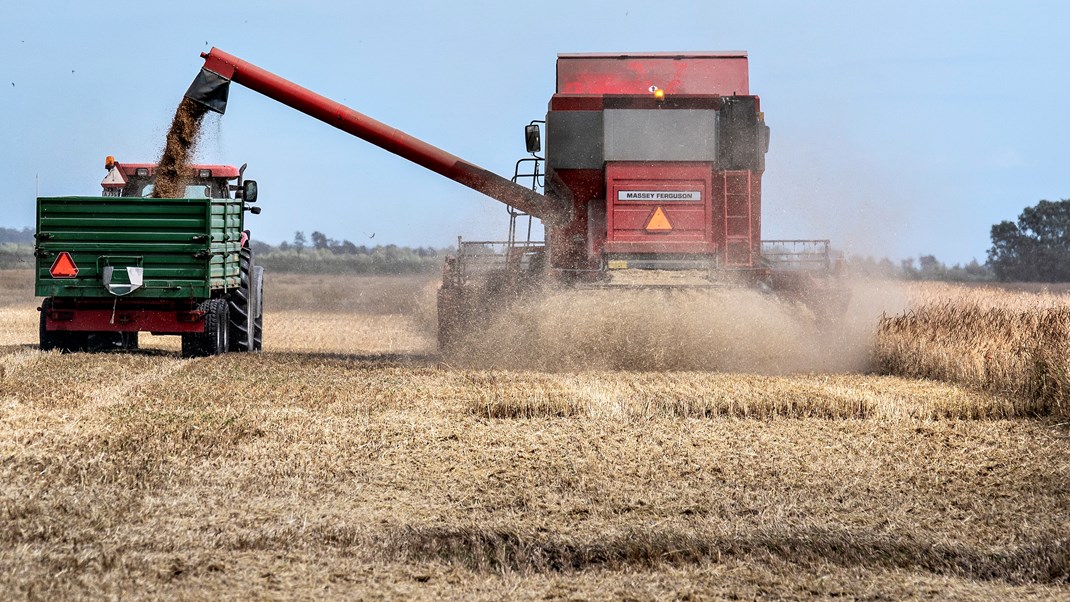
point(653, 161)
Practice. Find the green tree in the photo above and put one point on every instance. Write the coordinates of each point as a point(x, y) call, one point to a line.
point(1036, 248)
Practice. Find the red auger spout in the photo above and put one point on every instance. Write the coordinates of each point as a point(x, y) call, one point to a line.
point(210, 88)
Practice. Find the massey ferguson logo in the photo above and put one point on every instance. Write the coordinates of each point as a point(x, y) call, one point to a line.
point(659, 195)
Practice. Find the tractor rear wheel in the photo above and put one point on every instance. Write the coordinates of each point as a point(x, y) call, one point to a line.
point(216, 336)
point(258, 308)
point(243, 305)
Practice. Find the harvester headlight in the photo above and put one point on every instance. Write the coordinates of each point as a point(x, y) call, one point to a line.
point(659, 94)
point(204, 173)
point(142, 171)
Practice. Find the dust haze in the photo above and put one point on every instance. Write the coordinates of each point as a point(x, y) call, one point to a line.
point(820, 184)
point(732, 329)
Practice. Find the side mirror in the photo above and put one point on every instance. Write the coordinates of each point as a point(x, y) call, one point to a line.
point(248, 191)
point(533, 138)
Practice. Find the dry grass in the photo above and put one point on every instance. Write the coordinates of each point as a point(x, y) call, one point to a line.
point(640, 396)
point(374, 471)
point(1014, 344)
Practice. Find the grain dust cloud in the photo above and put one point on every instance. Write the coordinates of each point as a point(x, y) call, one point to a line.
point(178, 150)
point(730, 329)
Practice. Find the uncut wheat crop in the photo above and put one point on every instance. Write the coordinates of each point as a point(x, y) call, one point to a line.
point(1014, 344)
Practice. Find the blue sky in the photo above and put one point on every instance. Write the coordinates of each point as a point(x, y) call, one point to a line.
point(898, 129)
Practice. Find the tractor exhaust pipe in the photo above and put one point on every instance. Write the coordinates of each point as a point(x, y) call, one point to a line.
point(212, 86)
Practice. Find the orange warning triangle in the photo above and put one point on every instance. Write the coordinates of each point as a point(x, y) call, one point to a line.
point(658, 222)
point(63, 266)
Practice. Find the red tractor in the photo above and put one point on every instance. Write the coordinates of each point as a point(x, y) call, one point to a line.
point(653, 161)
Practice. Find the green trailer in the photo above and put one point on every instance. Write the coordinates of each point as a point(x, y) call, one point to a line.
point(112, 266)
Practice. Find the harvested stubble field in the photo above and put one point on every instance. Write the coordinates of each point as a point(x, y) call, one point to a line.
point(350, 460)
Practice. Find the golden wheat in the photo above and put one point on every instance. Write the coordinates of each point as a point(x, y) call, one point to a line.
point(1013, 344)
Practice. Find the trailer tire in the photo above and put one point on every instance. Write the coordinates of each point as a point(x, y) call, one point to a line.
point(216, 336)
point(64, 341)
point(243, 305)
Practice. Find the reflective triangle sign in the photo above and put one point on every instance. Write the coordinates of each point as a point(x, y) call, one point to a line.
point(63, 266)
point(658, 222)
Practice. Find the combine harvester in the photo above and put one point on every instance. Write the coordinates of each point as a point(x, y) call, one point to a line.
point(653, 162)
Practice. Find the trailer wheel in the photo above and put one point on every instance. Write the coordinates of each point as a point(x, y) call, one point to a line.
point(57, 339)
point(216, 336)
point(243, 305)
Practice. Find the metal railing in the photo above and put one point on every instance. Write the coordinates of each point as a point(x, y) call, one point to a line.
point(479, 255)
point(795, 254)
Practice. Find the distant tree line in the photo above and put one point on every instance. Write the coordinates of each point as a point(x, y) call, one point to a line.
point(16, 248)
point(327, 255)
point(15, 236)
point(926, 267)
point(14, 256)
point(1036, 248)
point(321, 242)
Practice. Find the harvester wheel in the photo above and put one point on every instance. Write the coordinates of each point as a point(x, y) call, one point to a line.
point(216, 336)
point(243, 304)
point(62, 340)
point(451, 317)
point(829, 305)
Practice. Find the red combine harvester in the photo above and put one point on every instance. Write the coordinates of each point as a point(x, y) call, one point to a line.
point(653, 162)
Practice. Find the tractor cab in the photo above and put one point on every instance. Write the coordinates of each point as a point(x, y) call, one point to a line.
point(202, 181)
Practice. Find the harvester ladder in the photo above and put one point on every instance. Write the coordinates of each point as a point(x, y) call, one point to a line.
point(537, 182)
point(737, 218)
